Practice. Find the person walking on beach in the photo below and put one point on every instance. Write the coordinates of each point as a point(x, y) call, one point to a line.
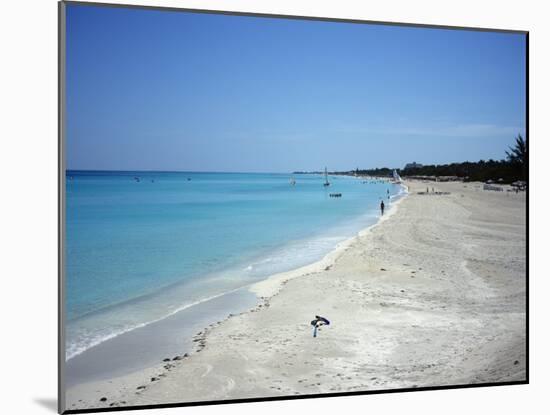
point(382, 207)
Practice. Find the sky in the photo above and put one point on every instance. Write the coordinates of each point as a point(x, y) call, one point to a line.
point(179, 91)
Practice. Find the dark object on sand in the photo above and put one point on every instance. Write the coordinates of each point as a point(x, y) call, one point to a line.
point(103, 399)
point(318, 322)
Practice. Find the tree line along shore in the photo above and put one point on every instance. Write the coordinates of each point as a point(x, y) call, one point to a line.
point(511, 169)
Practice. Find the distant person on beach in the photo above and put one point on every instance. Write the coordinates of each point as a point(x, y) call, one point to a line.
point(382, 207)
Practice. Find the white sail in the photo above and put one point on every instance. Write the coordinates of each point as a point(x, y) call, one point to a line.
point(326, 178)
point(396, 176)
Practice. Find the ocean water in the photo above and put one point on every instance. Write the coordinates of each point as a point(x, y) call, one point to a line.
point(140, 252)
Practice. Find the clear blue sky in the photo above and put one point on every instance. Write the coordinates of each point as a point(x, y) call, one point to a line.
point(159, 90)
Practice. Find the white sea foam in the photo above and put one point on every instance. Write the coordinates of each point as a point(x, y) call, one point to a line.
point(91, 341)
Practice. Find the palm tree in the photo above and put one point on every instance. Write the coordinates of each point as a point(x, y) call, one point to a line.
point(518, 153)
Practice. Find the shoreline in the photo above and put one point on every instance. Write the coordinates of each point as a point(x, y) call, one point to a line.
point(256, 289)
point(269, 286)
point(90, 331)
point(225, 381)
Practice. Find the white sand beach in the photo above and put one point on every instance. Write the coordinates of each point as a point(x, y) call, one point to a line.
point(432, 295)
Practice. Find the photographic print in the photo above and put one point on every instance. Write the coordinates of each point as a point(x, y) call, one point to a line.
point(266, 207)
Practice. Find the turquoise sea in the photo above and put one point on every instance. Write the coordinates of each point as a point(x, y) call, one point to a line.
point(143, 247)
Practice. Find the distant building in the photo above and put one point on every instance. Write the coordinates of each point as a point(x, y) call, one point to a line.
point(413, 165)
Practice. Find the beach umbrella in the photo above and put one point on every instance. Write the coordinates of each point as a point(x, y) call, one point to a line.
point(318, 322)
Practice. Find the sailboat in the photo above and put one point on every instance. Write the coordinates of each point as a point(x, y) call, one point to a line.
point(326, 183)
point(396, 177)
point(292, 181)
